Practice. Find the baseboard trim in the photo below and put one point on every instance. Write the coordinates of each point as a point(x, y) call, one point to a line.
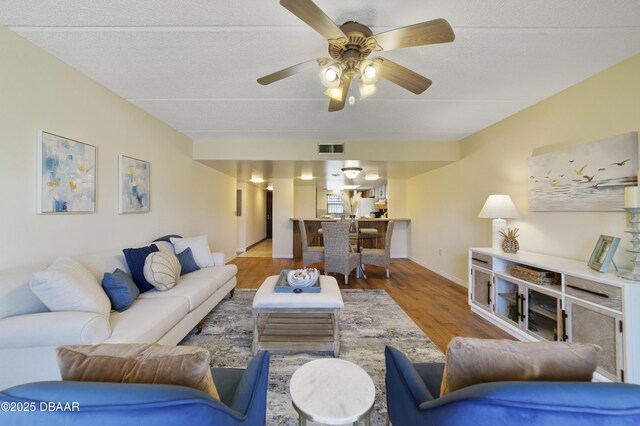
point(281, 256)
point(255, 244)
point(441, 273)
point(229, 259)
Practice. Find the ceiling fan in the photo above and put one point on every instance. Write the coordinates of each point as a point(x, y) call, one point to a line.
point(350, 46)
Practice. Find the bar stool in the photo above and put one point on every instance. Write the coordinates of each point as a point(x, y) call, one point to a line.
point(371, 233)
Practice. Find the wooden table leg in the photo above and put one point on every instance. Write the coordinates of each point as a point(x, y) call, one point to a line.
point(200, 326)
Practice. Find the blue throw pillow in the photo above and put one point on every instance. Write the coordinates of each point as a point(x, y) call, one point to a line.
point(167, 238)
point(135, 259)
point(120, 288)
point(187, 262)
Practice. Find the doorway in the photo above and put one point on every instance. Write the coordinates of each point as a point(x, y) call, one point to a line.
point(269, 215)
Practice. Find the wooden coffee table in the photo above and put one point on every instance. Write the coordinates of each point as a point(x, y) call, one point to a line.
point(297, 322)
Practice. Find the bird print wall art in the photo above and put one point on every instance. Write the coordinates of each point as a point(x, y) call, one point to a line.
point(588, 177)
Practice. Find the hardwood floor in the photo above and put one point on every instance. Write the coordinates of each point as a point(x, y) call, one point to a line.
point(437, 305)
point(261, 249)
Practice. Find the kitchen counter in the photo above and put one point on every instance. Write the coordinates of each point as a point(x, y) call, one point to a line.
point(362, 219)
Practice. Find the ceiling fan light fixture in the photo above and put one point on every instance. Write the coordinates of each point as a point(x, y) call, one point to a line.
point(370, 71)
point(372, 176)
point(350, 187)
point(330, 76)
point(366, 90)
point(351, 172)
point(334, 93)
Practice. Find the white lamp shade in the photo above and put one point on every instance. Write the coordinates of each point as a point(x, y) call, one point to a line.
point(499, 206)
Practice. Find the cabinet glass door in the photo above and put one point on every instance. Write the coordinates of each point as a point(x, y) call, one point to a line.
point(508, 301)
point(543, 315)
point(589, 324)
point(481, 294)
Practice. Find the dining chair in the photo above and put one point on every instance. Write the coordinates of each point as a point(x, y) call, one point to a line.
point(338, 256)
point(309, 254)
point(379, 257)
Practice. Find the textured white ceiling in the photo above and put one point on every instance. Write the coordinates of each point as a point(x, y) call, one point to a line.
point(194, 64)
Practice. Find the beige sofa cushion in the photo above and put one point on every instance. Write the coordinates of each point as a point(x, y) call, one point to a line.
point(471, 361)
point(148, 320)
point(138, 363)
point(66, 285)
point(194, 290)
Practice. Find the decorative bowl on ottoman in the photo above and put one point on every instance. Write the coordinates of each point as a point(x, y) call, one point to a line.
point(302, 277)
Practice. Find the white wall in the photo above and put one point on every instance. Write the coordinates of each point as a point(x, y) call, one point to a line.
point(282, 242)
point(304, 200)
point(252, 225)
point(39, 92)
point(444, 203)
point(397, 197)
point(256, 213)
point(241, 221)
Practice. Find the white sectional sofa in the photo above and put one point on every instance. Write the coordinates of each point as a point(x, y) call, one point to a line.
point(30, 333)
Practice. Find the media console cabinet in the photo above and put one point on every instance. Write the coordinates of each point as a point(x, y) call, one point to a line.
point(537, 297)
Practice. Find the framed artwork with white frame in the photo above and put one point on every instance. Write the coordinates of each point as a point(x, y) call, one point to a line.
point(66, 175)
point(134, 185)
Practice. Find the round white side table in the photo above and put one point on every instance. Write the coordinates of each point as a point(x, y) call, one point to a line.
point(332, 391)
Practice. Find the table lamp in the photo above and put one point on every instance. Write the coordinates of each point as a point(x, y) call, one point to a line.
point(498, 207)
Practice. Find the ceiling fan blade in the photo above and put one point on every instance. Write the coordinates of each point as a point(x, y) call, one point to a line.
point(316, 19)
point(337, 105)
point(430, 32)
point(288, 72)
point(404, 77)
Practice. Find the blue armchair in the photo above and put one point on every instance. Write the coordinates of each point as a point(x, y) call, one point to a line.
point(413, 398)
point(243, 401)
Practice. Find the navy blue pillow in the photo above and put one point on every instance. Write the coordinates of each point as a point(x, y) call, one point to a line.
point(135, 259)
point(167, 238)
point(187, 262)
point(120, 289)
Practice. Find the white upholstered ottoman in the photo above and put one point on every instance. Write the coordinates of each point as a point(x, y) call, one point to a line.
point(297, 322)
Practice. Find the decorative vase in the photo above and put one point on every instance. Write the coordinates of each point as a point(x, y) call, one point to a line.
point(510, 245)
point(352, 227)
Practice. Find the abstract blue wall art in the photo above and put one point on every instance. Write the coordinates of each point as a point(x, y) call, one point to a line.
point(135, 185)
point(66, 175)
point(588, 177)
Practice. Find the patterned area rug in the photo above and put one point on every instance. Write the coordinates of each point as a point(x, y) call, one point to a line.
point(370, 320)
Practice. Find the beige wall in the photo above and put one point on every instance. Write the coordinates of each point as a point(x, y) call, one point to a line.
point(282, 241)
point(444, 203)
point(254, 213)
point(304, 200)
point(397, 197)
point(39, 92)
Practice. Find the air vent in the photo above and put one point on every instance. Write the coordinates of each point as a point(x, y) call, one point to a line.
point(331, 148)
